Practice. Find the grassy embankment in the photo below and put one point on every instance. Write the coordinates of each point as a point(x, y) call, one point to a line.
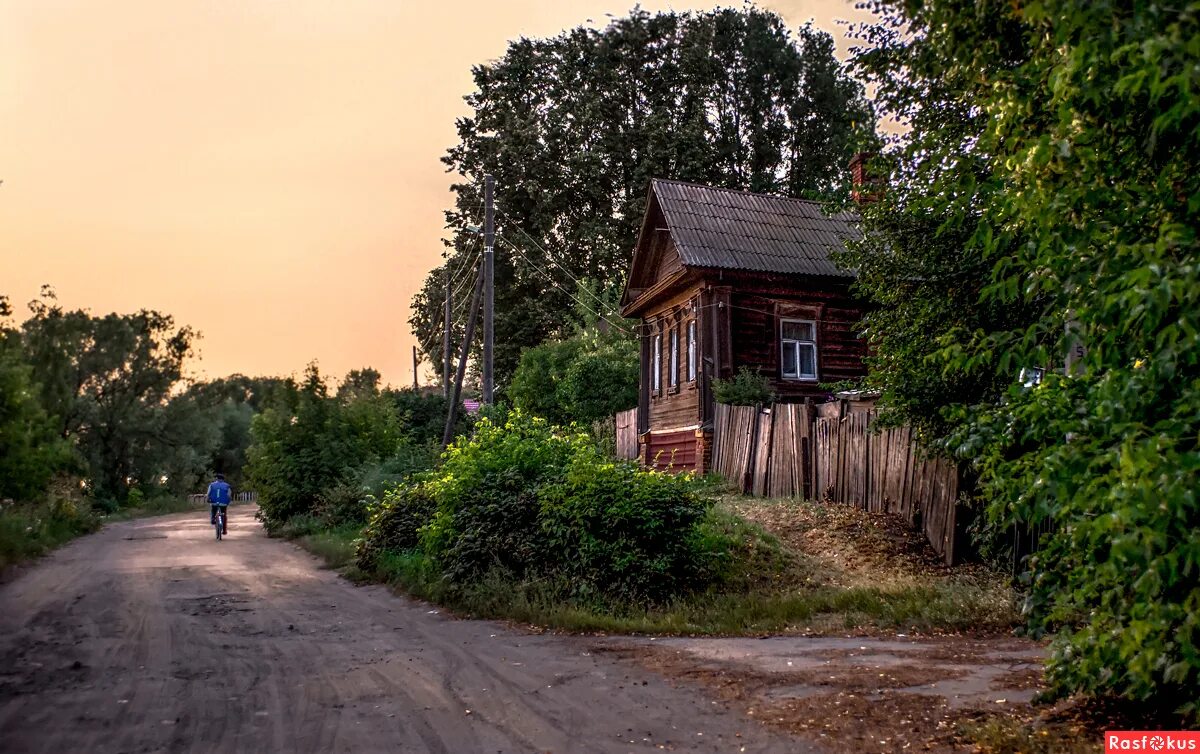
point(799, 567)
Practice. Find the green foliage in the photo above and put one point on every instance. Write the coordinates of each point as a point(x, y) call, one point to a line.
point(574, 126)
point(395, 524)
point(28, 530)
point(1053, 169)
point(515, 498)
point(322, 455)
point(633, 535)
point(582, 379)
point(747, 388)
point(107, 381)
point(30, 452)
point(423, 414)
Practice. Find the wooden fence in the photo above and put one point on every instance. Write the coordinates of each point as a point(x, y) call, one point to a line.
point(830, 452)
point(627, 434)
point(241, 497)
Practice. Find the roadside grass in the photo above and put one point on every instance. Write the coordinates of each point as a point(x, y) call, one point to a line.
point(335, 546)
point(806, 568)
point(31, 530)
point(158, 506)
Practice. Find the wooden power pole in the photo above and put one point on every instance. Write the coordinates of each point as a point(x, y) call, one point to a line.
point(452, 403)
point(489, 287)
point(415, 385)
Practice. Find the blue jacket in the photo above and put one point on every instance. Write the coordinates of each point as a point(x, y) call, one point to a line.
point(218, 493)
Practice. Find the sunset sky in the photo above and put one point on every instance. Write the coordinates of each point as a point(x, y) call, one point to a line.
point(264, 170)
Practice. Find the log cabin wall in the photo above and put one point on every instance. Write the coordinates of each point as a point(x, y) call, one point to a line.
point(672, 407)
point(757, 307)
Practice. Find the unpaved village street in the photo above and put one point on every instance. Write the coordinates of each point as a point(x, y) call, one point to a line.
point(150, 636)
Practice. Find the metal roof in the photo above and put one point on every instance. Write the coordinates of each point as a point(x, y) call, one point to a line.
point(740, 230)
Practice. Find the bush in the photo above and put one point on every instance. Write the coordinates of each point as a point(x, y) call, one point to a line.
point(632, 534)
point(394, 524)
point(747, 388)
point(523, 500)
point(486, 493)
point(30, 530)
point(584, 378)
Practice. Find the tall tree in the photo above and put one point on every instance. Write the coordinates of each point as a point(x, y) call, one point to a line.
point(107, 381)
point(575, 126)
point(1054, 164)
point(30, 451)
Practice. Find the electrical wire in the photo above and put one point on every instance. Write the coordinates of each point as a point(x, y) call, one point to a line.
point(560, 266)
point(556, 284)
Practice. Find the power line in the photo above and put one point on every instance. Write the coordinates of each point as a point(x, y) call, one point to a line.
point(465, 275)
point(560, 266)
point(557, 285)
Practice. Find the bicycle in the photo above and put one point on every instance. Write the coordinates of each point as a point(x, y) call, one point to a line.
point(219, 521)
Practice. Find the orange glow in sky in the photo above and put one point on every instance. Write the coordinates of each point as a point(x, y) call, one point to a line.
point(267, 171)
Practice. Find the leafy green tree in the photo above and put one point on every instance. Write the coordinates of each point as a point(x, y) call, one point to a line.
point(107, 382)
point(573, 127)
point(587, 377)
point(1054, 165)
point(306, 443)
point(30, 451)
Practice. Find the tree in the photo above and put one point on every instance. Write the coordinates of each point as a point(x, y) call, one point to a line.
point(307, 442)
point(30, 453)
point(574, 127)
point(587, 377)
point(107, 381)
point(1054, 166)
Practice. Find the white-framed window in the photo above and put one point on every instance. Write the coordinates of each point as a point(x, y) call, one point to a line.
point(798, 349)
point(691, 353)
point(673, 362)
point(656, 365)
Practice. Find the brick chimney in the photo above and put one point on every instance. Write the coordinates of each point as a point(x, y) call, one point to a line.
point(864, 187)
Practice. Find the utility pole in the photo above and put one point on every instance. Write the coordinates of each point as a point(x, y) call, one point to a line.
point(452, 403)
point(489, 286)
point(446, 338)
point(415, 385)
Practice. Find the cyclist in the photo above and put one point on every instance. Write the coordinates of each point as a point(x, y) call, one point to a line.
point(218, 497)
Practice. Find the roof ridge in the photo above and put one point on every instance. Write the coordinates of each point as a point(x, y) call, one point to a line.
point(709, 187)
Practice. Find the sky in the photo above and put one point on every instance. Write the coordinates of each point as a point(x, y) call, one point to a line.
point(266, 171)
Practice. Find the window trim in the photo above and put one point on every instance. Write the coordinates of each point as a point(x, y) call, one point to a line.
point(673, 358)
point(816, 351)
point(656, 364)
point(692, 350)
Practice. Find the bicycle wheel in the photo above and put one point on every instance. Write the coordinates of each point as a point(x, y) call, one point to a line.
point(219, 526)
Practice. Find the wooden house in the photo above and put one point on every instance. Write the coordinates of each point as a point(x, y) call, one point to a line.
point(722, 279)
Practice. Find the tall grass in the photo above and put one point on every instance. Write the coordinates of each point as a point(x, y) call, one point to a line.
point(29, 530)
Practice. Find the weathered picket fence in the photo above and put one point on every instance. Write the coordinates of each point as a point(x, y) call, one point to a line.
point(830, 452)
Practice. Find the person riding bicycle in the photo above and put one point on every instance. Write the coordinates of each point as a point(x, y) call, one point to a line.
point(219, 495)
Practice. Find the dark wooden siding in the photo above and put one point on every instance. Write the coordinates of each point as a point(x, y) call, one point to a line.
point(679, 406)
point(757, 306)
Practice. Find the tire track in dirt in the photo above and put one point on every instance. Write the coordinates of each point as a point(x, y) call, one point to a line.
point(149, 636)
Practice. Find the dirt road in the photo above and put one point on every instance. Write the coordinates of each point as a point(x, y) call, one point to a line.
point(149, 636)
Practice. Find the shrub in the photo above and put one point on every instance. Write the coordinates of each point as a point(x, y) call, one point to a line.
point(631, 534)
point(343, 503)
point(486, 494)
point(747, 388)
point(394, 524)
point(30, 530)
point(523, 500)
